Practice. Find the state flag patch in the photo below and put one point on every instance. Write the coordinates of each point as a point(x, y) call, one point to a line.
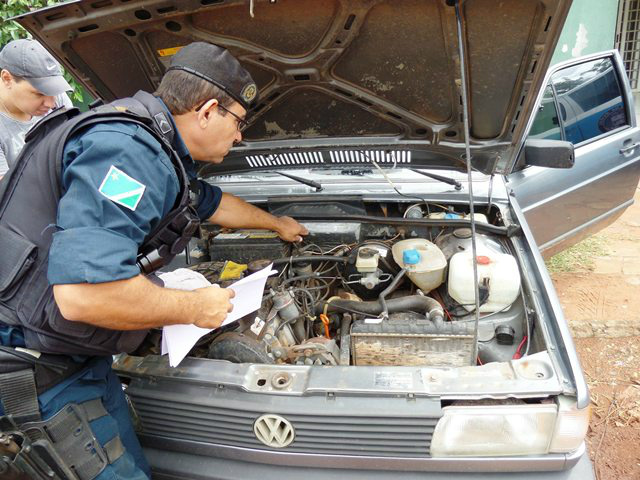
point(122, 189)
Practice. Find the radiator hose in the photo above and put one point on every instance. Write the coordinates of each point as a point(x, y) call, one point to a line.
point(417, 303)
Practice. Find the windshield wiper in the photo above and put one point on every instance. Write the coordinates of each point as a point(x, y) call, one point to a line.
point(304, 181)
point(450, 181)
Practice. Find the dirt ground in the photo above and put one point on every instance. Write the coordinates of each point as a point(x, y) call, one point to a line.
point(599, 288)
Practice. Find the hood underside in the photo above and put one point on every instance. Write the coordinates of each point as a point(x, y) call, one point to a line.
point(344, 70)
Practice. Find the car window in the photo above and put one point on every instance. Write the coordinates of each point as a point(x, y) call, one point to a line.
point(590, 100)
point(546, 125)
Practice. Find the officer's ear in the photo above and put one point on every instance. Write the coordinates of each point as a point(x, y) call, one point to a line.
point(205, 111)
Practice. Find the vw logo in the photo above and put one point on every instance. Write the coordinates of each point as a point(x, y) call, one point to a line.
point(274, 431)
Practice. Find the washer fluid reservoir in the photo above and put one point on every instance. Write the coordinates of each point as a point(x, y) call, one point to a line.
point(496, 271)
point(423, 260)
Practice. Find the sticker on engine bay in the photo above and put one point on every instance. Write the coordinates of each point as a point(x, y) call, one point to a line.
point(263, 234)
point(230, 236)
point(393, 380)
point(167, 52)
point(373, 321)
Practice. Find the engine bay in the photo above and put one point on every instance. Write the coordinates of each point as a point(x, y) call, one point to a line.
point(383, 284)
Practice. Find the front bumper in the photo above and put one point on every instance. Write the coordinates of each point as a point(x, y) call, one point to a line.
point(203, 463)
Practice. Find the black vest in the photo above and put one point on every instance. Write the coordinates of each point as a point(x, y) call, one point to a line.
point(29, 197)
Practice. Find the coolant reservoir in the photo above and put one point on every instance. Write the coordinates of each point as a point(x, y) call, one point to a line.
point(423, 260)
point(499, 271)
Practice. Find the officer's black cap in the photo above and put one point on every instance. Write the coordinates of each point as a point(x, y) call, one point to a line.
point(216, 65)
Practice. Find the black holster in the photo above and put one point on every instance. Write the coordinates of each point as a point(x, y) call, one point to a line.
point(22, 459)
point(63, 447)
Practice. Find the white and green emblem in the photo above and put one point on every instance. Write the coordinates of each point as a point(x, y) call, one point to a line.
point(120, 188)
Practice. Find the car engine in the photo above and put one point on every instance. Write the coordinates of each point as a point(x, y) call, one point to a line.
point(369, 293)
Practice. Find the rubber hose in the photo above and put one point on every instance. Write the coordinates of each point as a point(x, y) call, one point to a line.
point(433, 310)
point(392, 286)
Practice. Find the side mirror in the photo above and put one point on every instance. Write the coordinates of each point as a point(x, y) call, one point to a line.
point(549, 153)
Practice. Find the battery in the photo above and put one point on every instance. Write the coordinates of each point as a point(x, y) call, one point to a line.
point(244, 246)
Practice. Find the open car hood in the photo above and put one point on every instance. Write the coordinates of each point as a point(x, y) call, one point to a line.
point(334, 73)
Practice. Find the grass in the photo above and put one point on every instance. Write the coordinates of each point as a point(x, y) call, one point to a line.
point(580, 257)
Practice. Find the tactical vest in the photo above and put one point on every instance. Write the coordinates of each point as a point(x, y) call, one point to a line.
point(29, 197)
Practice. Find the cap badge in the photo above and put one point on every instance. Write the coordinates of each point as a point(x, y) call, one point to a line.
point(249, 92)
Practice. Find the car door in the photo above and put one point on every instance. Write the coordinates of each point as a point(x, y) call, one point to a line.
point(588, 102)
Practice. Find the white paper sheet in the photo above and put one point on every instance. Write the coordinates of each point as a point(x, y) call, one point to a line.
point(178, 340)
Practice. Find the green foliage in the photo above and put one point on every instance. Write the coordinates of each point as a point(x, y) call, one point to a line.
point(12, 31)
point(580, 257)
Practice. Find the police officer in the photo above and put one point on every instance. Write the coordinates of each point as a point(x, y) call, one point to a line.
point(112, 205)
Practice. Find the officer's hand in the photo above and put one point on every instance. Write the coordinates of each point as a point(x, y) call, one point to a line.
point(215, 304)
point(289, 230)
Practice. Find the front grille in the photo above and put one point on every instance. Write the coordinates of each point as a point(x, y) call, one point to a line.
point(315, 434)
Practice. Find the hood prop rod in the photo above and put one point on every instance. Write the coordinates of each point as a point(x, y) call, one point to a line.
point(465, 117)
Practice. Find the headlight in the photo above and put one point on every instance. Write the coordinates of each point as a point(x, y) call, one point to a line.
point(571, 426)
point(494, 430)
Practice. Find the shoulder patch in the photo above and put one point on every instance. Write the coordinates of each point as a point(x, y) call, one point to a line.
point(163, 123)
point(122, 189)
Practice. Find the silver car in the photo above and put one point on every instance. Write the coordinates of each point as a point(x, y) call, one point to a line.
point(432, 155)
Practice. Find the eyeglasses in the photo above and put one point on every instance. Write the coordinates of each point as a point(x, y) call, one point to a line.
point(241, 123)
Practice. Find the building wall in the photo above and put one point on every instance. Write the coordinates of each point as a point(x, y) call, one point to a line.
point(590, 28)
